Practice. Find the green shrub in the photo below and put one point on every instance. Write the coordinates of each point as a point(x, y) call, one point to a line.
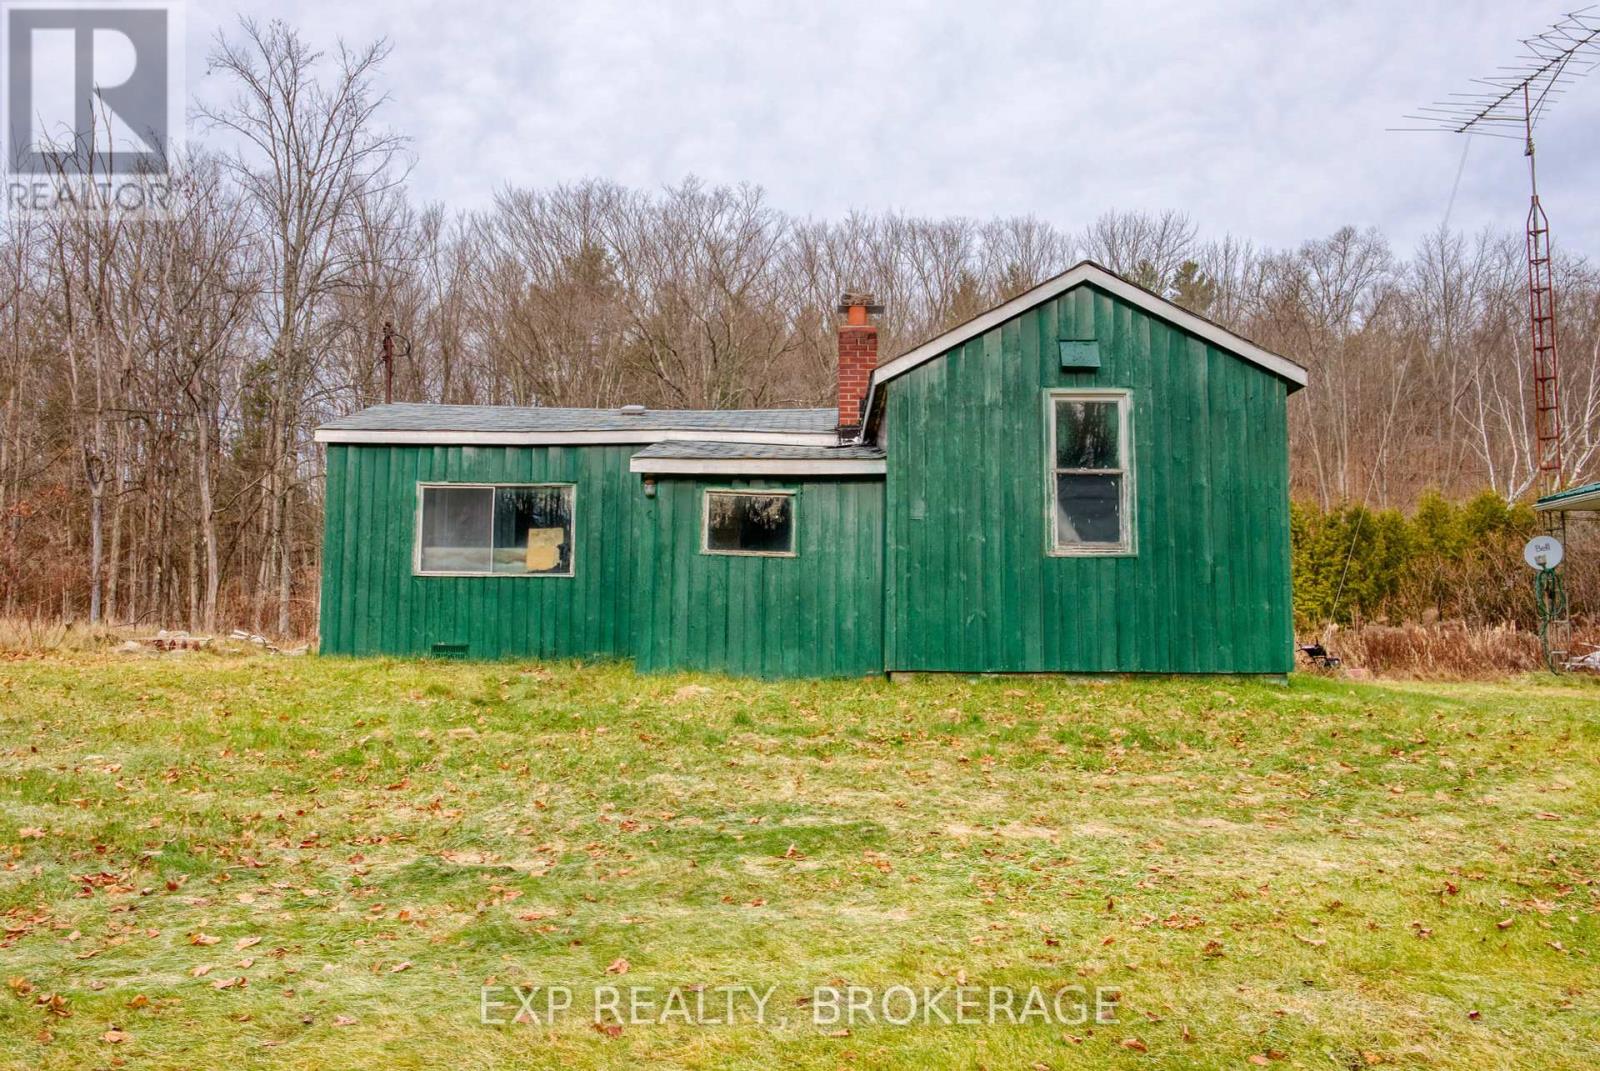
point(1447, 560)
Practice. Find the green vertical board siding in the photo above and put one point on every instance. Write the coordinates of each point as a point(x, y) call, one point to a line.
point(374, 603)
point(817, 614)
point(971, 583)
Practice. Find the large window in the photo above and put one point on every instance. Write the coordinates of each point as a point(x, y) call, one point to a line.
point(750, 522)
point(1090, 474)
point(508, 530)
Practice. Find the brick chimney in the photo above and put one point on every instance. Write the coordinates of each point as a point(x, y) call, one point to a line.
point(858, 356)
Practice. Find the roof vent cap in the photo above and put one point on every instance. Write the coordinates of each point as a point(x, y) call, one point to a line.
point(632, 410)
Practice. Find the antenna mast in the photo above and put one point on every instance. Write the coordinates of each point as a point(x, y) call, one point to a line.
point(1519, 97)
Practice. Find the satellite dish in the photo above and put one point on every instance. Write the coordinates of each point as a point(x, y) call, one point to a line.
point(1543, 552)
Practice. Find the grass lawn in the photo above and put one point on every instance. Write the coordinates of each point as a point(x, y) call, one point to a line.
point(258, 862)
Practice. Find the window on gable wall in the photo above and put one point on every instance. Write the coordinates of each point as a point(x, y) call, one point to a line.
point(750, 523)
point(1090, 473)
point(508, 530)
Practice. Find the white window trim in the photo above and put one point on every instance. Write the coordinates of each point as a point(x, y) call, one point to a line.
point(1128, 546)
point(705, 522)
point(416, 545)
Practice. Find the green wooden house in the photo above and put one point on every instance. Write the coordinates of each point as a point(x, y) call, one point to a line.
point(1086, 478)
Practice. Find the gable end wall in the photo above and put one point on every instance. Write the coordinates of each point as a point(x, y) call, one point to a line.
point(971, 585)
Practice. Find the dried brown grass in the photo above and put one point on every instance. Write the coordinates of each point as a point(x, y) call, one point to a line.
point(1449, 650)
point(32, 635)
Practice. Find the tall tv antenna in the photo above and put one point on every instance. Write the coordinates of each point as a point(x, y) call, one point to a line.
point(1510, 104)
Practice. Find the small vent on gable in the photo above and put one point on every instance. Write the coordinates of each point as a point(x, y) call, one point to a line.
point(1077, 353)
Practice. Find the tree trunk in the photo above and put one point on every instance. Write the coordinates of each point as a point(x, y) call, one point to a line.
point(94, 471)
point(285, 568)
point(208, 521)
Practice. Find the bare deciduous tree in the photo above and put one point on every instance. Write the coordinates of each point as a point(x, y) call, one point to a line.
point(311, 154)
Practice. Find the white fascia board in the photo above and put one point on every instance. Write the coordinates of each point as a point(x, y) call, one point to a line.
point(571, 438)
point(755, 466)
point(1087, 272)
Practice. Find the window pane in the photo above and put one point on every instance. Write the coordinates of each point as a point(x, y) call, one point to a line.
point(1086, 435)
point(1088, 509)
point(533, 530)
point(755, 523)
point(455, 529)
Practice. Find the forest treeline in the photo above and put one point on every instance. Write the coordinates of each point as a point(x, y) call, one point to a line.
point(162, 378)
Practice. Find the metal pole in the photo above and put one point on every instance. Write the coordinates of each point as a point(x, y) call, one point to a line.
point(388, 361)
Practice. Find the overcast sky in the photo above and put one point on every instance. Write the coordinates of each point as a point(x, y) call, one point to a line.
point(1267, 120)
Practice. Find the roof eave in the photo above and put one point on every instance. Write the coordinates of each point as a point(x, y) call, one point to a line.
point(1585, 498)
point(1086, 271)
point(719, 466)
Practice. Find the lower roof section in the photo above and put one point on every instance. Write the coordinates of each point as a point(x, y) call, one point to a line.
point(404, 423)
point(693, 458)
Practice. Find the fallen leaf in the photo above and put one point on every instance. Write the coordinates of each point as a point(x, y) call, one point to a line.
point(610, 1030)
point(30, 833)
point(201, 971)
point(403, 965)
point(114, 1036)
point(1505, 924)
point(246, 942)
point(618, 966)
point(343, 1020)
point(203, 939)
point(139, 1001)
point(1135, 1044)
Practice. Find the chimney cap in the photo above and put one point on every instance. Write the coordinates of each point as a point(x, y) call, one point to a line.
point(852, 299)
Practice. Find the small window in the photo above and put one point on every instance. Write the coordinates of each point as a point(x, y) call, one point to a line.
point(513, 530)
point(750, 522)
point(1089, 478)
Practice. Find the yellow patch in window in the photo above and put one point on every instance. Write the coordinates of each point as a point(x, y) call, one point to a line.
point(544, 549)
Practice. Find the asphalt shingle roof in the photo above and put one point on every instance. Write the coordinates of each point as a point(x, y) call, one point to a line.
point(411, 416)
point(760, 451)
